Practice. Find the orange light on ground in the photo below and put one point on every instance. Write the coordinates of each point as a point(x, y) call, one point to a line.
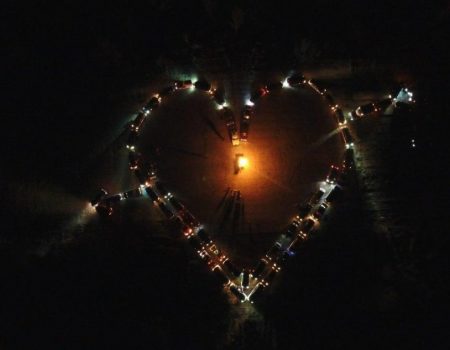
point(242, 162)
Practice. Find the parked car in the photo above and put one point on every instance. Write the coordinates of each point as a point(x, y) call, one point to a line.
point(183, 84)
point(334, 194)
point(348, 139)
point(333, 175)
point(257, 94)
point(153, 196)
point(317, 196)
point(204, 236)
point(296, 80)
point(245, 279)
point(161, 188)
point(320, 211)
point(260, 268)
point(277, 85)
point(274, 251)
point(176, 204)
point(340, 116)
point(165, 210)
point(202, 85)
point(349, 160)
point(135, 193)
point(98, 197)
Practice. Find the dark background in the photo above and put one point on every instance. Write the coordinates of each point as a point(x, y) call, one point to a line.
point(67, 67)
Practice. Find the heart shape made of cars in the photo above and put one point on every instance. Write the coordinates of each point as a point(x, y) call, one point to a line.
point(248, 168)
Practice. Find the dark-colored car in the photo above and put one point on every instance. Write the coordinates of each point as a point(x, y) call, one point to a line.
point(296, 80)
point(232, 268)
point(183, 84)
point(317, 196)
point(153, 103)
point(195, 243)
point(349, 160)
point(340, 116)
point(292, 229)
point(219, 97)
point(135, 193)
point(307, 225)
point(247, 112)
point(98, 197)
point(109, 201)
point(189, 219)
point(162, 189)
point(137, 122)
point(329, 99)
point(165, 210)
point(204, 236)
point(221, 275)
point(245, 126)
point(334, 194)
point(167, 90)
point(260, 268)
point(176, 204)
point(274, 251)
point(348, 139)
point(104, 210)
point(276, 85)
point(133, 160)
point(304, 210)
point(153, 196)
point(245, 279)
point(237, 293)
point(366, 109)
point(257, 94)
point(202, 85)
point(132, 138)
point(257, 294)
point(333, 175)
point(320, 211)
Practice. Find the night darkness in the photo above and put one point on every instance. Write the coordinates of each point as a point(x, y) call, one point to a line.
point(375, 275)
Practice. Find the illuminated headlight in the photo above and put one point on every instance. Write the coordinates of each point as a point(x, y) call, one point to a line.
point(285, 83)
point(249, 103)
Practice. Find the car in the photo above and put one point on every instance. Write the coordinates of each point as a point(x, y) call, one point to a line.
point(307, 225)
point(340, 116)
point(245, 279)
point(204, 236)
point(135, 193)
point(234, 135)
point(349, 160)
point(111, 200)
point(98, 197)
point(366, 109)
point(295, 245)
point(222, 277)
point(296, 80)
point(334, 194)
point(187, 231)
point(228, 116)
point(315, 87)
point(277, 85)
point(257, 94)
point(150, 172)
point(274, 251)
point(133, 160)
point(320, 211)
point(333, 175)
point(189, 219)
point(247, 113)
point(245, 126)
point(167, 90)
point(292, 229)
point(219, 97)
point(153, 196)
point(303, 211)
point(195, 243)
point(137, 122)
point(260, 268)
point(270, 276)
point(104, 210)
point(176, 204)
point(132, 138)
point(161, 188)
point(202, 85)
point(231, 267)
point(329, 99)
point(317, 196)
point(165, 210)
point(152, 104)
point(183, 84)
point(237, 293)
point(257, 293)
point(348, 139)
